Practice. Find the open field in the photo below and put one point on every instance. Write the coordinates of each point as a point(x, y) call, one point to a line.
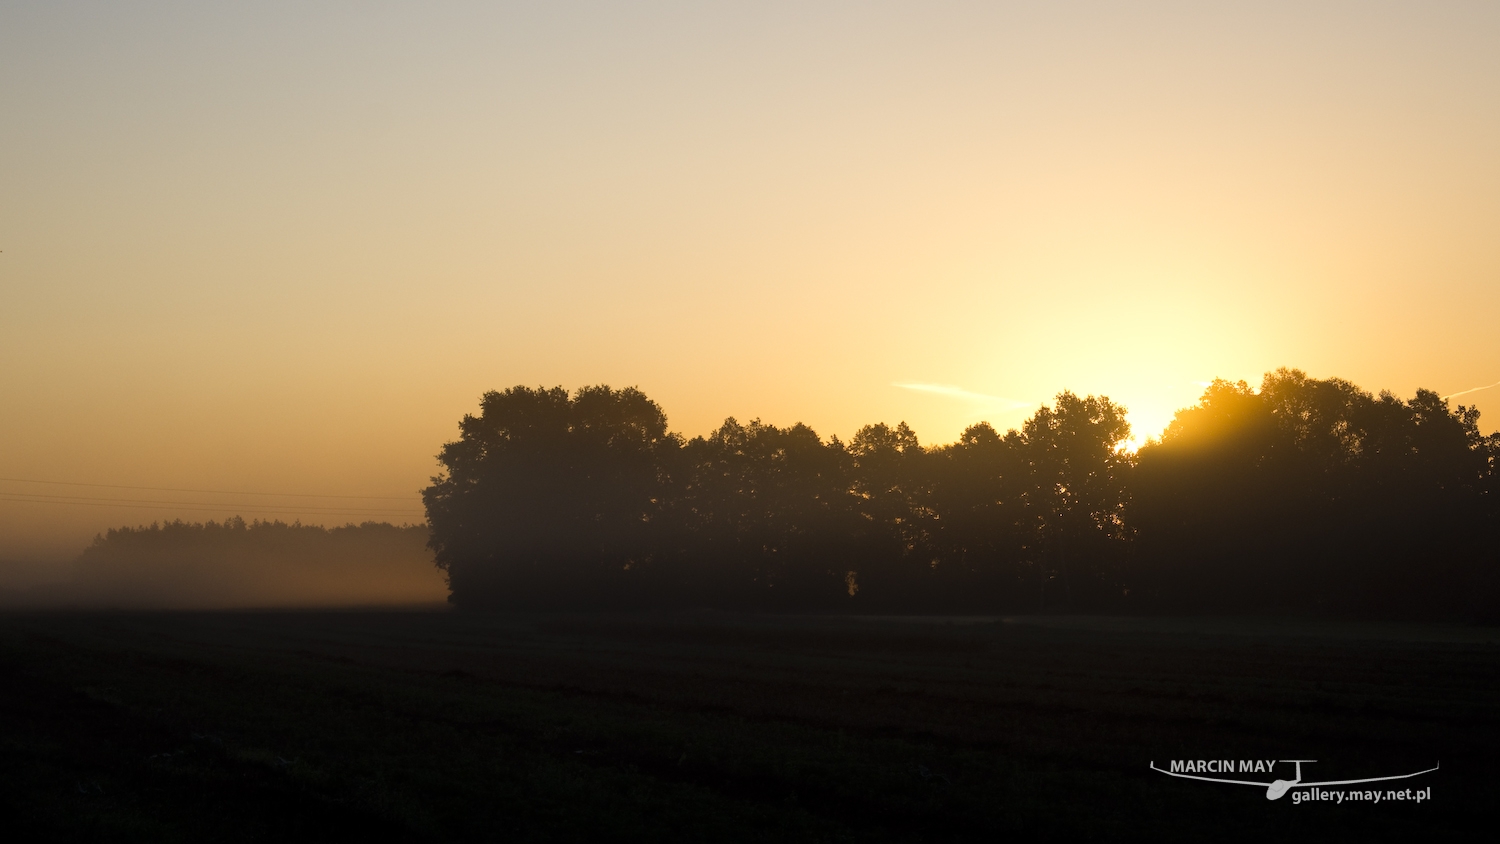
point(441, 726)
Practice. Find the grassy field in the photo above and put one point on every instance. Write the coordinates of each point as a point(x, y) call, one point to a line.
point(713, 727)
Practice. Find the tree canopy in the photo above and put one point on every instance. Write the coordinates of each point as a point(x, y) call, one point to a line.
point(1303, 495)
point(549, 498)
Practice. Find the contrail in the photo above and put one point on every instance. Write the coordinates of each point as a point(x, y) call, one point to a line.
point(953, 392)
point(1474, 390)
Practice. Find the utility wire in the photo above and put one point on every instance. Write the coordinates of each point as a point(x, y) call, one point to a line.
point(210, 491)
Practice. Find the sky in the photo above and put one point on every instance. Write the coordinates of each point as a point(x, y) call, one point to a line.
point(282, 248)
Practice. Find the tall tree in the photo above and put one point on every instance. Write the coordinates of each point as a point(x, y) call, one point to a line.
point(549, 500)
point(1079, 493)
point(891, 488)
point(1313, 495)
point(765, 516)
point(987, 533)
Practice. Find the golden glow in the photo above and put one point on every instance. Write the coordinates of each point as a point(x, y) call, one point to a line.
point(286, 248)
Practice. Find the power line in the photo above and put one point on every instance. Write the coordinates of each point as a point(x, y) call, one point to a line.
point(209, 491)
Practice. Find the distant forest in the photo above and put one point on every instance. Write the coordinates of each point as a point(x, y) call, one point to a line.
point(235, 563)
point(1304, 496)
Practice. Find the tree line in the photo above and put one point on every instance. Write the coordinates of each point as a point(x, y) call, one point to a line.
point(235, 563)
point(1304, 495)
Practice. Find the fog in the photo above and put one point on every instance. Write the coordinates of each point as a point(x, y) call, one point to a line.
point(233, 565)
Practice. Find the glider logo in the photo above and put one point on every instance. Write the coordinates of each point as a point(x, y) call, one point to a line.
point(1192, 768)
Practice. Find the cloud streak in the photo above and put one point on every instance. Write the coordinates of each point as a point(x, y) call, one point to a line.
point(952, 392)
point(1472, 390)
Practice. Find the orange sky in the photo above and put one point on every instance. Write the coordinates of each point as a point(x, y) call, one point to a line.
point(281, 248)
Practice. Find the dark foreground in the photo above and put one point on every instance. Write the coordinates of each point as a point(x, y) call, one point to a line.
point(436, 726)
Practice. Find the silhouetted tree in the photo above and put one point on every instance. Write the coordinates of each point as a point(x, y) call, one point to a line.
point(988, 535)
point(1314, 495)
point(1078, 493)
point(891, 489)
point(549, 500)
point(765, 516)
point(1304, 495)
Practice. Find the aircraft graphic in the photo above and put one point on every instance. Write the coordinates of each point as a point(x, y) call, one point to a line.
point(1277, 788)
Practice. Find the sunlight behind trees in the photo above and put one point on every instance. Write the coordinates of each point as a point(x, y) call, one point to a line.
point(282, 246)
point(1306, 496)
